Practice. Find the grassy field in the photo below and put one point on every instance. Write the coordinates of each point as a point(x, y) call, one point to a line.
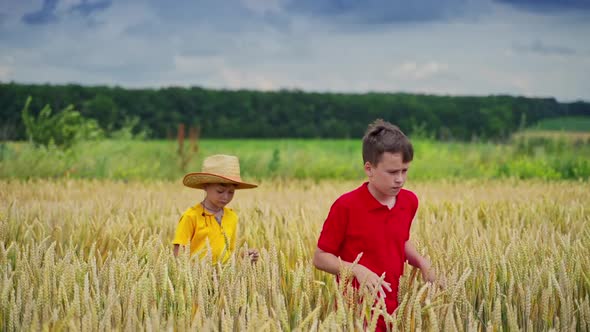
point(525, 156)
point(564, 124)
point(95, 255)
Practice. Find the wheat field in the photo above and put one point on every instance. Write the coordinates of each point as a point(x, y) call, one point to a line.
point(95, 255)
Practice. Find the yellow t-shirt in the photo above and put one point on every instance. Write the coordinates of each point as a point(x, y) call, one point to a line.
point(197, 227)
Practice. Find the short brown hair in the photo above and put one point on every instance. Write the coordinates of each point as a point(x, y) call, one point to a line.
point(382, 136)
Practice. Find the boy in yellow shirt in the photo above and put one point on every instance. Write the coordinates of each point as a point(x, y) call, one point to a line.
point(210, 221)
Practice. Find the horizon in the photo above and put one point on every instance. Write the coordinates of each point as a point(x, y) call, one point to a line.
point(296, 90)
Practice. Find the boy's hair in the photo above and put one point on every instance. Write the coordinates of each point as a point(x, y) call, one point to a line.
point(382, 136)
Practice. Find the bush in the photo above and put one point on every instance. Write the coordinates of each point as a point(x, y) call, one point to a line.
point(62, 129)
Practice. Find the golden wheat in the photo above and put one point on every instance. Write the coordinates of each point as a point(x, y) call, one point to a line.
point(95, 255)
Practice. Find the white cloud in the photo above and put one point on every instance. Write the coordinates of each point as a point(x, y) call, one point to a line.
point(237, 79)
point(220, 73)
point(5, 73)
point(420, 71)
point(264, 6)
point(64, 6)
point(197, 64)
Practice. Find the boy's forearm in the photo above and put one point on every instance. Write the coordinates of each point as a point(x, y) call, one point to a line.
point(414, 258)
point(328, 262)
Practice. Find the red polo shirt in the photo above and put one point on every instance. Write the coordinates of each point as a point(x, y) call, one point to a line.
point(357, 223)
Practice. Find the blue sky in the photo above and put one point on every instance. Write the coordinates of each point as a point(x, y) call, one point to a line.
point(537, 48)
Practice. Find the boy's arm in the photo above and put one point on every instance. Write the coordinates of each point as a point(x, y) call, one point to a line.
point(328, 262)
point(184, 232)
point(417, 260)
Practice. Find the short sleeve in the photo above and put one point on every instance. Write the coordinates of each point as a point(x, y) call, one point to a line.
point(232, 240)
point(184, 230)
point(414, 204)
point(334, 229)
point(414, 208)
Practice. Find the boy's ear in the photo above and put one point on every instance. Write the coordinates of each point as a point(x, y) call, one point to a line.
point(368, 169)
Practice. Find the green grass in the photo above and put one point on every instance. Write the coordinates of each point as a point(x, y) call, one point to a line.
point(296, 159)
point(571, 123)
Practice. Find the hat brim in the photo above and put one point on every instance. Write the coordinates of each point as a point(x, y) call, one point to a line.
point(199, 180)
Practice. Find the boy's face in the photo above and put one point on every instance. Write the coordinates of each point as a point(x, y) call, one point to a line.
point(389, 175)
point(220, 194)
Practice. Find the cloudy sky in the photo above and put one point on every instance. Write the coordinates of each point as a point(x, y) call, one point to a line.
point(458, 47)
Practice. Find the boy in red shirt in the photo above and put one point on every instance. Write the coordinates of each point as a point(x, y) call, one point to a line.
point(375, 219)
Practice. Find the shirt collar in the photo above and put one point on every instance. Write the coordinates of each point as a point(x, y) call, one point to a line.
point(202, 211)
point(372, 203)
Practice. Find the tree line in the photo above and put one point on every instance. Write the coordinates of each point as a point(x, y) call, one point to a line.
point(284, 113)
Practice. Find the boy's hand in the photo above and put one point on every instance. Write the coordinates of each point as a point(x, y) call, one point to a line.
point(371, 279)
point(253, 254)
point(428, 275)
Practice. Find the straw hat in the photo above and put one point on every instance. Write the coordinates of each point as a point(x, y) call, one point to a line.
point(219, 168)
